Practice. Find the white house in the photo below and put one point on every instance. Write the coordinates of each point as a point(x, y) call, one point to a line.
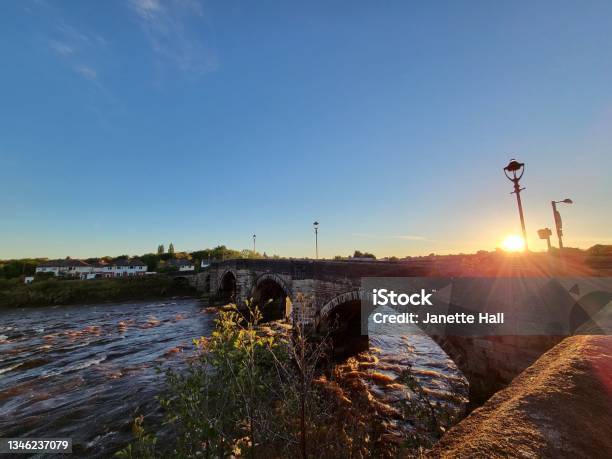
point(181, 264)
point(67, 267)
point(127, 267)
point(78, 268)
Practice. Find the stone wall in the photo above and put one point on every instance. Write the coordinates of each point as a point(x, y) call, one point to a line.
point(558, 407)
point(492, 362)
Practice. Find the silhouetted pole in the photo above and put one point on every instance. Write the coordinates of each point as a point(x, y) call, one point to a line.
point(316, 230)
point(254, 237)
point(558, 221)
point(545, 233)
point(515, 167)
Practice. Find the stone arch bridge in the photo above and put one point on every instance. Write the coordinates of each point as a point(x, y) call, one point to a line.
point(320, 289)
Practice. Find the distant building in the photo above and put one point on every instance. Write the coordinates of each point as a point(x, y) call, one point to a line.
point(67, 267)
point(78, 268)
point(131, 267)
point(180, 264)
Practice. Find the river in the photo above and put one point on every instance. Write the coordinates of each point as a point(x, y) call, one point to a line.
point(86, 371)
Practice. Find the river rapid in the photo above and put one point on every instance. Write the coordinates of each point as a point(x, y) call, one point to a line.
point(86, 371)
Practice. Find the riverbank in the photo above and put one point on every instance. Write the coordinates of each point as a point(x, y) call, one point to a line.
point(561, 406)
point(54, 291)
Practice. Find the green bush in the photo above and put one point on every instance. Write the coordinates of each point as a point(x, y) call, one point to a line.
point(54, 291)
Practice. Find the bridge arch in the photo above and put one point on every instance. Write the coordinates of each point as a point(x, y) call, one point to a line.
point(270, 292)
point(181, 281)
point(352, 295)
point(227, 286)
point(340, 319)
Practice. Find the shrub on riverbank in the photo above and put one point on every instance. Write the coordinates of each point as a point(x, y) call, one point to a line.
point(261, 391)
point(55, 291)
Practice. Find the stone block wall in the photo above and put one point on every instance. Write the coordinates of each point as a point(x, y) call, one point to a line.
point(492, 362)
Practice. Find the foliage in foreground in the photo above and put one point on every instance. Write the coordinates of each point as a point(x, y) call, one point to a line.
point(257, 394)
point(252, 392)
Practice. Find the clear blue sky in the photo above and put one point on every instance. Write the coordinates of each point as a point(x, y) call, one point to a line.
point(126, 124)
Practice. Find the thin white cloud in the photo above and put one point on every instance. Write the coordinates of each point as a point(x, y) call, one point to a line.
point(411, 237)
point(86, 72)
point(83, 39)
point(63, 49)
point(77, 48)
point(146, 8)
point(175, 31)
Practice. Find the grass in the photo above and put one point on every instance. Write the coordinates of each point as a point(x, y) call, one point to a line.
point(55, 291)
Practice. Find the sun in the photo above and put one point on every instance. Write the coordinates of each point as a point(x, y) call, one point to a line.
point(513, 243)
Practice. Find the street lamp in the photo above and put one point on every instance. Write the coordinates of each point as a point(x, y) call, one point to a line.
point(315, 225)
point(514, 171)
point(558, 222)
point(254, 237)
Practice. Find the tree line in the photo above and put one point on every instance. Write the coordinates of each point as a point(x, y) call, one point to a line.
point(155, 261)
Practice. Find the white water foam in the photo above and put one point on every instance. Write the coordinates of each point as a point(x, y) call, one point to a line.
point(12, 367)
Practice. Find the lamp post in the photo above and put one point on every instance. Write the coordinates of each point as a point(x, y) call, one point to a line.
point(558, 222)
point(514, 171)
point(315, 225)
point(254, 237)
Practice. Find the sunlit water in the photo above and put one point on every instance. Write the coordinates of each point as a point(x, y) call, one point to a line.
point(404, 349)
point(85, 372)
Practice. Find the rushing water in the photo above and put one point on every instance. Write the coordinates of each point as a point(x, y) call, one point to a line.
point(85, 372)
point(395, 350)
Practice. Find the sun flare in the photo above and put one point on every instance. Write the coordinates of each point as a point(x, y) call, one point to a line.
point(513, 243)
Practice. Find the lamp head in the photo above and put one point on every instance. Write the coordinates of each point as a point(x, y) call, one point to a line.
point(514, 167)
point(568, 201)
point(315, 225)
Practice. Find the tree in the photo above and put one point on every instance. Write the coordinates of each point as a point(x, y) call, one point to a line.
point(200, 254)
point(223, 253)
point(152, 260)
point(246, 253)
point(14, 268)
point(359, 254)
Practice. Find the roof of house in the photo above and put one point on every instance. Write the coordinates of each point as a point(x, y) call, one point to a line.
point(179, 262)
point(69, 262)
point(131, 262)
point(100, 264)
